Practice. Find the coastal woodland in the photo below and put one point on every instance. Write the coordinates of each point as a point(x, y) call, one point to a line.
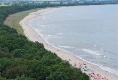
point(21, 59)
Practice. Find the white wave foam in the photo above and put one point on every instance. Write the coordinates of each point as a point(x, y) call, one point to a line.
point(92, 52)
point(95, 45)
point(49, 26)
point(106, 57)
point(66, 47)
point(95, 53)
point(101, 66)
point(109, 69)
point(50, 35)
point(53, 36)
point(42, 25)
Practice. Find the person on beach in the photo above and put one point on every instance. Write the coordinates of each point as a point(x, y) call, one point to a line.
point(80, 65)
point(69, 60)
point(85, 68)
point(74, 64)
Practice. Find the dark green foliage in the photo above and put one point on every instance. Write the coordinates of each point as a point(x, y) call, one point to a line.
point(24, 78)
point(21, 59)
point(5, 54)
point(2, 78)
point(57, 76)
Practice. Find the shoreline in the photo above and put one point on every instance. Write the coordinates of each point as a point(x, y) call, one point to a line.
point(31, 34)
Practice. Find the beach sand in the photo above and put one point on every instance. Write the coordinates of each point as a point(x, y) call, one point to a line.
point(74, 61)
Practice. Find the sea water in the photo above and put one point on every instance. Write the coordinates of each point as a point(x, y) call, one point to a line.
point(88, 32)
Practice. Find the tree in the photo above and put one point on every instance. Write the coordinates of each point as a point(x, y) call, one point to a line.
point(57, 76)
point(24, 78)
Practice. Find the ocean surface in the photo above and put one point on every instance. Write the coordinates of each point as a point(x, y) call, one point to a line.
point(88, 32)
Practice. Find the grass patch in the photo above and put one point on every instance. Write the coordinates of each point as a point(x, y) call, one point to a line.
point(14, 19)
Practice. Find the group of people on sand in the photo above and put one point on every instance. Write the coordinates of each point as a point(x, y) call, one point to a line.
point(89, 71)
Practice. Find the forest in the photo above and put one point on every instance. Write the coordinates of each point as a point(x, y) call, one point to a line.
point(21, 59)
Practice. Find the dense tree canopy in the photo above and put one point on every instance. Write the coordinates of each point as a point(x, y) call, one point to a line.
point(21, 59)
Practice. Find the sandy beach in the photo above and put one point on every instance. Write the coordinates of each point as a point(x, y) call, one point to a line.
point(93, 71)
